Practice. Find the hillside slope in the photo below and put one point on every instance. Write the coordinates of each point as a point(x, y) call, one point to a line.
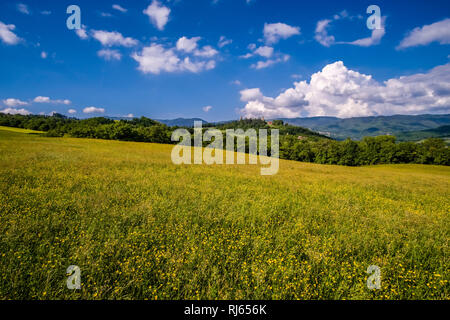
point(140, 227)
point(356, 128)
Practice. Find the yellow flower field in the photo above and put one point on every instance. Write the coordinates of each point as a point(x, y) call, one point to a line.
point(140, 227)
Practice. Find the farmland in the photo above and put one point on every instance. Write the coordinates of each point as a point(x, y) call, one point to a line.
point(140, 227)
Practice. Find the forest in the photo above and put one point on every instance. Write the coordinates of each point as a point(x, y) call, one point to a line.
point(296, 143)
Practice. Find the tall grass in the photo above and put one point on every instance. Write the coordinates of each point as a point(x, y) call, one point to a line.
point(140, 227)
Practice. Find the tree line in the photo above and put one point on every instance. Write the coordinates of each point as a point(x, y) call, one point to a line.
point(296, 143)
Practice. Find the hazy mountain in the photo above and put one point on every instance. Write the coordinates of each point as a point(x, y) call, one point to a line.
point(439, 132)
point(356, 128)
point(182, 122)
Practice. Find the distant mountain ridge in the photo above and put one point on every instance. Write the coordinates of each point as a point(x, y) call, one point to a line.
point(181, 122)
point(439, 132)
point(357, 128)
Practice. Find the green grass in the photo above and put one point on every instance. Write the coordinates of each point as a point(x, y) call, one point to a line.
point(11, 129)
point(140, 227)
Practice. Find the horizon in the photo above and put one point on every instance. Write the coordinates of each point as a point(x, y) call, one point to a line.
point(217, 60)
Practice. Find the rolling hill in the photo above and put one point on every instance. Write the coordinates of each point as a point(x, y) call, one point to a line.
point(357, 128)
point(140, 227)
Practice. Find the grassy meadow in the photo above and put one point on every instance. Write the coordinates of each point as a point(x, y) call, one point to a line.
point(140, 227)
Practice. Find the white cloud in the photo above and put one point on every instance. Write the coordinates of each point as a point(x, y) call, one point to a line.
point(206, 52)
point(339, 91)
point(322, 36)
point(44, 55)
point(11, 102)
point(93, 110)
point(130, 115)
point(7, 35)
point(191, 46)
point(113, 38)
point(81, 33)
point(273, 32)
point(109, 54)
point(186, 44)
point(41, 99)
point(106, 14)
point(374, 39)
point(71, 111)
point(264, 51)
point(236, 82)
point(156, 59)
point(23, 8)
point(23, 112)
point(207, 108)
point(158, 14)
point(420, 36)
point(251, 94)
point(270, 62)
point(223, 41)
point(119, 8)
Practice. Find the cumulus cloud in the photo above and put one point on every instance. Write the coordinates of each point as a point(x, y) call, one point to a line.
point(158, 14)
point(207, 108)
point(44, 55)
point(156, 58)
point(206, 52)
point(89, 110)
point(109, 39)
point(187, 45)
point(265, 52)
point(339, 91)
point(23, 112)
point(11, 102)
point(109, 54)
point(41, 99)
point(420, 36)
point(190, 45)
point(273, 32)
point(119, 8)
point(7, 35)
point(251, 94)
point(71, 111)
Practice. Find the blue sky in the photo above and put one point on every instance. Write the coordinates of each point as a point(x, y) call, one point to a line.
point(219, 60)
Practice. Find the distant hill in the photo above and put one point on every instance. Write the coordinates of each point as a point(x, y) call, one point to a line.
point(439, 132)
point(357, 128)
point(182, 122)
point(284, 128)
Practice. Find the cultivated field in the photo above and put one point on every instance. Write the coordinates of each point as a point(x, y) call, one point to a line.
point(140, 227)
